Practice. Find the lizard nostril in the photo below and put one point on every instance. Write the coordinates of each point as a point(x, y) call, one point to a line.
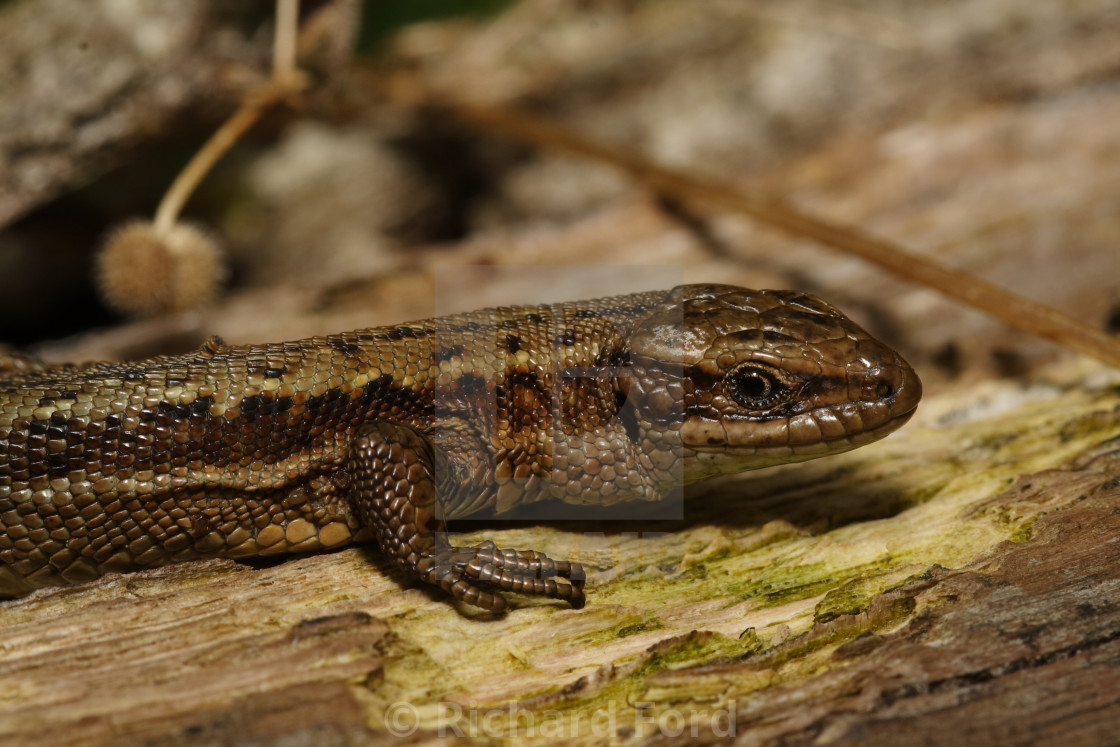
point(884, 389)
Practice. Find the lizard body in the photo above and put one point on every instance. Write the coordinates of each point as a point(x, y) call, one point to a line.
point(384, 433)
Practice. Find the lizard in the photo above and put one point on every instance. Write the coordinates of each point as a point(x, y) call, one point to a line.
point(386, 433)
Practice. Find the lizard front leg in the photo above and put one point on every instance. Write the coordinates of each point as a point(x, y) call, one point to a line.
point(393, 490)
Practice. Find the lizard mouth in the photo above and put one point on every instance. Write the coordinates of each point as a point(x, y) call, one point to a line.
point(819, 447)
point(711, 460)
point(734, 444)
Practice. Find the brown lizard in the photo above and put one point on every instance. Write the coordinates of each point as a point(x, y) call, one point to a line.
point(384, 433)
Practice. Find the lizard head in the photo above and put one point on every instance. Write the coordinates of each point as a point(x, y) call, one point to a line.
point(733, 379)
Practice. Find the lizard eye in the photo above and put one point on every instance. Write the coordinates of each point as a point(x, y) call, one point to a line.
point(754, 387)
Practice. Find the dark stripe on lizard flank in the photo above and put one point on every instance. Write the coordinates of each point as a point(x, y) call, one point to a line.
point(215, 440)
point(527, 401)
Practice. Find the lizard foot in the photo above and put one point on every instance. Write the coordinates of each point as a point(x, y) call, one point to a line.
point(462, 571)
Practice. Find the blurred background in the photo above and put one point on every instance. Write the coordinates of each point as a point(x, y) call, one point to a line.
point(982, 132)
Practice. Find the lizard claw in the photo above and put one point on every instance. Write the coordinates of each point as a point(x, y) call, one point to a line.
point(462, 570)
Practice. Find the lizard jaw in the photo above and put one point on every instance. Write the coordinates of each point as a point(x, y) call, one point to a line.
point(704, 462)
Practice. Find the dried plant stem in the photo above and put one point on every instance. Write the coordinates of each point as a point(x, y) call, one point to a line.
point(220, 142)
point(1010, 308)
point(286, 80)
point(284, 45)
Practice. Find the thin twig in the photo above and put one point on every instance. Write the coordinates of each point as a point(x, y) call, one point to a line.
point(220, 142)
point(286, 80)
point(284, 45)
point(1010, 308)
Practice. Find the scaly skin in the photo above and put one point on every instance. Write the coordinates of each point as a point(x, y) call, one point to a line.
point(384, 433)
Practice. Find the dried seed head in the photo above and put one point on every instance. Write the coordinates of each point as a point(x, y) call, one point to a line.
point(144, 272)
